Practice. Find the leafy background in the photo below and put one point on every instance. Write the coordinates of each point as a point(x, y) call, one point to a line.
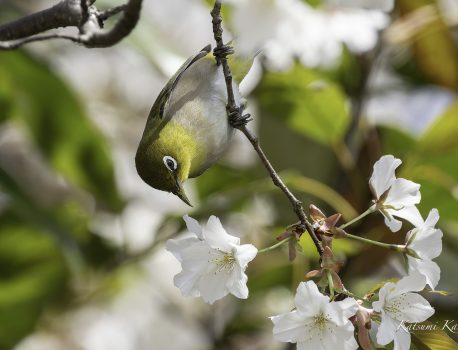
point(82, 259)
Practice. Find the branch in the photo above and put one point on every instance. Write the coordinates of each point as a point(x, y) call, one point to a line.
point(76, 13)
point(122, 28)
point(64, 14)
point(221, 51)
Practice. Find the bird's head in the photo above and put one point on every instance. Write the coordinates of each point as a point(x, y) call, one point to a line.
point(164, 163)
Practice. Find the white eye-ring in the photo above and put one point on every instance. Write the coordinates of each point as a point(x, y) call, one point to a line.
point(170, 163)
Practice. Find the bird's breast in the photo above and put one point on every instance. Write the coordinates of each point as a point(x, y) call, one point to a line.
point(198, 104)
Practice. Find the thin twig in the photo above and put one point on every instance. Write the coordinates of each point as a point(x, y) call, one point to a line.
point(221, 53)
point(14, 44)
point(104, 15)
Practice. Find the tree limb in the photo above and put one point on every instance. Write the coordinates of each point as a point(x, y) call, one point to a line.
point(72, 13)
point(64, 14)
point(221, 51)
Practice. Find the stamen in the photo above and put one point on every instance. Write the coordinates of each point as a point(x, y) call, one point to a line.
point(224, 261)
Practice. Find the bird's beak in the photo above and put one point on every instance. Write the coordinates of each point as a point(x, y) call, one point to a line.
point(180, 193)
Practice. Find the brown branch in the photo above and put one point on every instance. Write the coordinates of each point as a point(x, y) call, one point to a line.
point(121, 29)
point(66, 13)
point(221, 51)
point(69, 13)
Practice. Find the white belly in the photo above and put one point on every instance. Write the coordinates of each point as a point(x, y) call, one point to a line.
point(199, 104)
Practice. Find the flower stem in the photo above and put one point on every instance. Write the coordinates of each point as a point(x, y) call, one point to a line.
point(350, 294)
point(367, 212)
point(395, 247)
point(268, 249)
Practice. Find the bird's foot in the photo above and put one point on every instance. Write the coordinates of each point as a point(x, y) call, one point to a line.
point(236, 117)
point(223, 51)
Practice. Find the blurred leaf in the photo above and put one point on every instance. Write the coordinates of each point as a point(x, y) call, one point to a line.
point(320, 191)
point(220, 178)
point(436, 339)
point(396, 142)
point(350, 72)
point(33, 274)
point(58, 125)
point(313, 3)
point(441, 136)
point(379, 285)
point(432, 163)
point(432, 42)
point(310, 105)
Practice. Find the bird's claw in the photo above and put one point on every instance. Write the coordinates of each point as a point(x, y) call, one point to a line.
point(236, 117)
point(223, 51)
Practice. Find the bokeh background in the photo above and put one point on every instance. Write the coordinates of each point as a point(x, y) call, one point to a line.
point(337, 84)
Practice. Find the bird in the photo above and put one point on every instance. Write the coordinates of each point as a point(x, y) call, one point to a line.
point(188, 129)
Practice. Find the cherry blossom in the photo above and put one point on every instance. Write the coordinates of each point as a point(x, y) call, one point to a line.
point(213, 262)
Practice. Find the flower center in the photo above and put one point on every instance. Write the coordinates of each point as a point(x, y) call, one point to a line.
point(320, 321)
point(224, 261)
point(395, 306)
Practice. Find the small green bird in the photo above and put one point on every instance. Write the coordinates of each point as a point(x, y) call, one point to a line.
point(187, 128)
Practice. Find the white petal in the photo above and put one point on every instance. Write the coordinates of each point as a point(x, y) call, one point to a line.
point(403, 193)
point(377, 305)
point(217, 237)
point(409, 213)
point(383, 174)
point(413, 307)
point(340, 337)
point(382, 295)
point(429, 269)
point(236, 284)
point(245, 253)
point(427, 242)
point(176, 246)
point(386, 330)
point(212, 286)
point(402, 339)
point(187, 282)
point(196, 257)
point(193, 226)
point(433, 218)
point(308, 299)
point(393, 224)
point(413, 282)
point(289, 327)
point(341, 311)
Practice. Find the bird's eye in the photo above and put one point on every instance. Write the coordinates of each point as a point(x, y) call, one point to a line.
point(170, 163)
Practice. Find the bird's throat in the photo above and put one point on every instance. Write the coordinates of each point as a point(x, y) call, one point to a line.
point(180, 142)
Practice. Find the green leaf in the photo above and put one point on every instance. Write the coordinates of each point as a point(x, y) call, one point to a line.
point(309, 104)
point(220, 178)
point(48, 109)
point(441, 136)
point(432, 163)
point(436, 339)
point(33, 275)
point(396, 142)
point(432, 42)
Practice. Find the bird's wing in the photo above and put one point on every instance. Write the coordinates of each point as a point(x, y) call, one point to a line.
point(156, 115)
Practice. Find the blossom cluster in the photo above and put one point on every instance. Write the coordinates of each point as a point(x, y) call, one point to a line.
point(286, 30)
point(214, 262)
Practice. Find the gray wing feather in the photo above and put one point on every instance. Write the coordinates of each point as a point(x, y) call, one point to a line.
point(156, 115)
